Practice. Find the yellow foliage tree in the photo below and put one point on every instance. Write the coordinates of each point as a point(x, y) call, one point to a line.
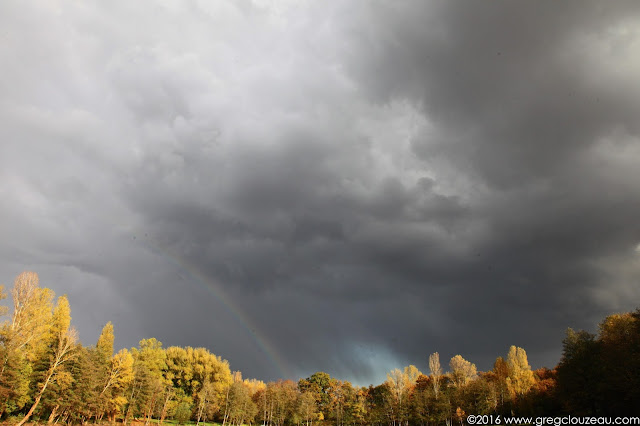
point(462, 371)
point(436, 372)
point(520, 377)
point(61, 342)
point(25, 338)
point(119, 376)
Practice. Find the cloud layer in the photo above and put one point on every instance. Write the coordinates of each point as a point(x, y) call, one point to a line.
point(334, 186)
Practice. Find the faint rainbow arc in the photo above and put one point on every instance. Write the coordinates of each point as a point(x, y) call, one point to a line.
point(265, 346)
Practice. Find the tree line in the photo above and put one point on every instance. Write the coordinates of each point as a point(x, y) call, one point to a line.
point(46, 375)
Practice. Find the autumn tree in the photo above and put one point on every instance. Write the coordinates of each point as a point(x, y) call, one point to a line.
point(436, 372)
point(3, 295)
point(377, 400)
point(148, 382)
point(319, 384)
point(400, 383)
point(101, 356)
point(31, 317)
point(520, 378)
point(23, 339)
point(61, 343)
point(189, 368)
point(541, 399)
point(500, 375)
point(480, 395)
point(239, 406)
point(4, 358)
point(119, 375)
point(354, 404)
point(207, 402)
point(46, 375)
point(421, 399)
point(278, 403)
point(462, 371)
point(307, 408)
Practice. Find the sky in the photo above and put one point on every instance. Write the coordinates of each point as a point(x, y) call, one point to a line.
point(338, 186)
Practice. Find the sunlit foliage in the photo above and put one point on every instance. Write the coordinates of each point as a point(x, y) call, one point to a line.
point(47, 376)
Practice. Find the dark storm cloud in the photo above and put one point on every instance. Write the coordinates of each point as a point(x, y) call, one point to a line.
point(356, 184)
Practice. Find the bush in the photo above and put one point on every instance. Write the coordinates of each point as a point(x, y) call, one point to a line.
point(183, 413)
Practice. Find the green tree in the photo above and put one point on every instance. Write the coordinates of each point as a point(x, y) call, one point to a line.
point(377, 400)
point(183, 412)
point(79, 404)
point(319, 384)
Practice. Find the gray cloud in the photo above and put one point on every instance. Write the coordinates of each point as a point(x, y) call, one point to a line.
point(334, 186)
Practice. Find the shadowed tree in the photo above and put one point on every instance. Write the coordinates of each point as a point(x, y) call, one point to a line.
point(501, 371)
point(601, 375)
point(619, 339)
point(580, 373)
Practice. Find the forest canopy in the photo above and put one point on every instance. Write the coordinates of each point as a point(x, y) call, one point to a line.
point(46, 374)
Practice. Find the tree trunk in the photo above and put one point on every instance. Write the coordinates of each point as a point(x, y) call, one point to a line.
point(38, 398)
point(163, 414)
point(226, 407)
point(149, 411)
point(200, 410)
point(31, 410)
point(52, 416)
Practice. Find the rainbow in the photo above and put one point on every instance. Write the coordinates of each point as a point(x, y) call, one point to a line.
point(218, 293)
